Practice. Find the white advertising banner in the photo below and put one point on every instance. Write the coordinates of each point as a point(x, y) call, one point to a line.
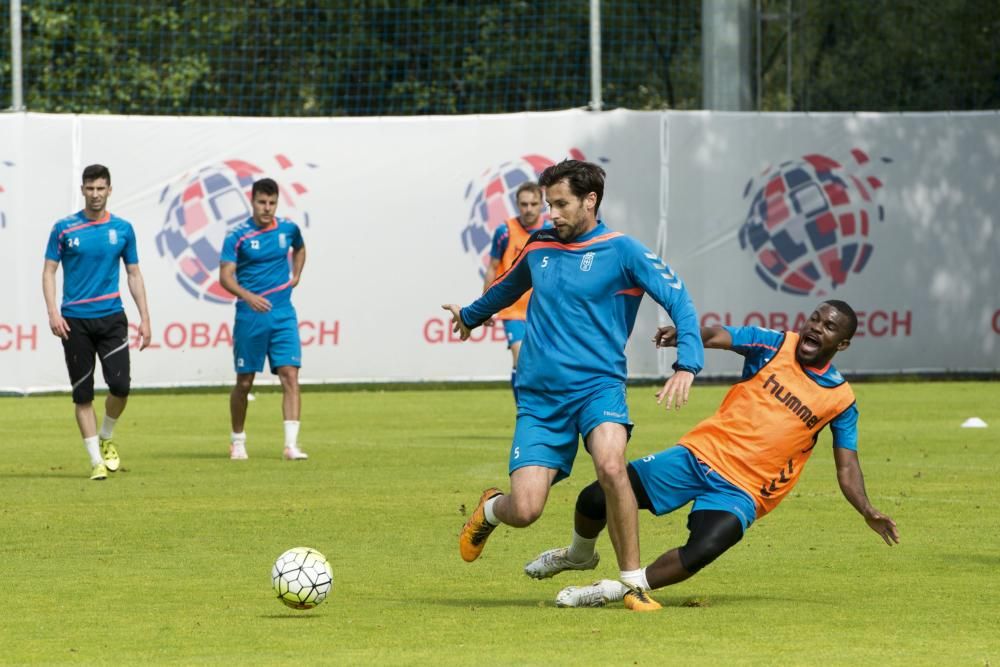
point(762, 215)
point(894, 214)
point(397, 215)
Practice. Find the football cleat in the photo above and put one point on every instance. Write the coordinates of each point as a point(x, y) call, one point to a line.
point(554, 561)
point(99, 472)
point(597, 594)
point(637, 599)
point(472, 539)
point(238, 451)
point(293, 453)
point(110, 455)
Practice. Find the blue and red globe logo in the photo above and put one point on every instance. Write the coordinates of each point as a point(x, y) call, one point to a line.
point(809, 223)
point(492, 200)
point(203, 207)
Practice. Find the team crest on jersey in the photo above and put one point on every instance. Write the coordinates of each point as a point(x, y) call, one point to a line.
point(282, 242)
point(112, 237)
point(587, 261)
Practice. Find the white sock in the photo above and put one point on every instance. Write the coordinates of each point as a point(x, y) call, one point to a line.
point(94, 449)
point(238, 438)
point(291, 433)
point(581, 549)
point(108, 427)
point(491, 518)
point(635, 578)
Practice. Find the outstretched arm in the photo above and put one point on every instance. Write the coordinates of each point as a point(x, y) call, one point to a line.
point(715, 337)
point(852, 484)
point(660, 282)
point(497, 296)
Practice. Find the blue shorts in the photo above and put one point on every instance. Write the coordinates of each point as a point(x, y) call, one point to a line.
point(515, 330)
point(274, 334)
point(674, 477)
point(549, 424)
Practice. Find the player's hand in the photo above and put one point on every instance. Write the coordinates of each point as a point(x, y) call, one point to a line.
point(492, 322)
point(666, 337)
point(884, 526)
point(59, 326)
point(145, 335)
point(258, 303)
point(457, 325)
point(676, 390)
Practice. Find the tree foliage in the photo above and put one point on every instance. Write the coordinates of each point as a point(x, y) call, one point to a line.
point(882, 55)
point(382, 57)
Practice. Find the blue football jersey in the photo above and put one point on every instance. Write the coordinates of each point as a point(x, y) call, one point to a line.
point(759, 345)
point(91, 252)
point(261, 257)
point(584, 304)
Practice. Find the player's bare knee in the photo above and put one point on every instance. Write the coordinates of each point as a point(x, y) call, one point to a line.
point(612, 475)
point(243, 385)
point(523, 513)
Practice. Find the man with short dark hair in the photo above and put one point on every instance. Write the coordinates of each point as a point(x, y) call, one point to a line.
point(254, 267)
point(588, 282)
point(508, 241)
point(90, 244)
point(738, 464)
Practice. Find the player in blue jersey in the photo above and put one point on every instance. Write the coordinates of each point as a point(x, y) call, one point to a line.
point(508, 241)
point(738, 464)
point(90, 245)
point(588, 282)
point(255, 268)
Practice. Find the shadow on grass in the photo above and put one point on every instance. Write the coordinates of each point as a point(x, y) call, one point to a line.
point(989, 560)
point(292, 617)
point(692, 602)
point(54, 474)
point(464, 436)
point(708, 601)
point(220, 455)
point(474, 603)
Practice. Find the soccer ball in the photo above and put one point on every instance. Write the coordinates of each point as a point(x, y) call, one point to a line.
point(301, 578)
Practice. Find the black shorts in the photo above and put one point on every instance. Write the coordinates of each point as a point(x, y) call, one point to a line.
point(105, 337)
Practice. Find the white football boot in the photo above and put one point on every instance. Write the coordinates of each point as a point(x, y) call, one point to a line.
point(595, 595)
point(554, 561)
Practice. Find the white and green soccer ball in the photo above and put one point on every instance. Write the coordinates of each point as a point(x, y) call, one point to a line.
point(302, 578)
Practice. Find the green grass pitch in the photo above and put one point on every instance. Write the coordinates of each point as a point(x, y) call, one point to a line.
point(169, 560)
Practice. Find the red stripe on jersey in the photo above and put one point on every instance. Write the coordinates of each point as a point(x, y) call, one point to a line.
point(96, 298)
point(243, 238)
point(544, 245)
point(100, 221)
point(276, 289)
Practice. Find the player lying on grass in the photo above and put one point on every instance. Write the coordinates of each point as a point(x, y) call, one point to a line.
point(738, 464)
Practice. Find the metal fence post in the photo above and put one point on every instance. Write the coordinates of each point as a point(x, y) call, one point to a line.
point(16, 89)
point(596, 103)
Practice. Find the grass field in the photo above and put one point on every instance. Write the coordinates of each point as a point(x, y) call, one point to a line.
point(169, 560)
